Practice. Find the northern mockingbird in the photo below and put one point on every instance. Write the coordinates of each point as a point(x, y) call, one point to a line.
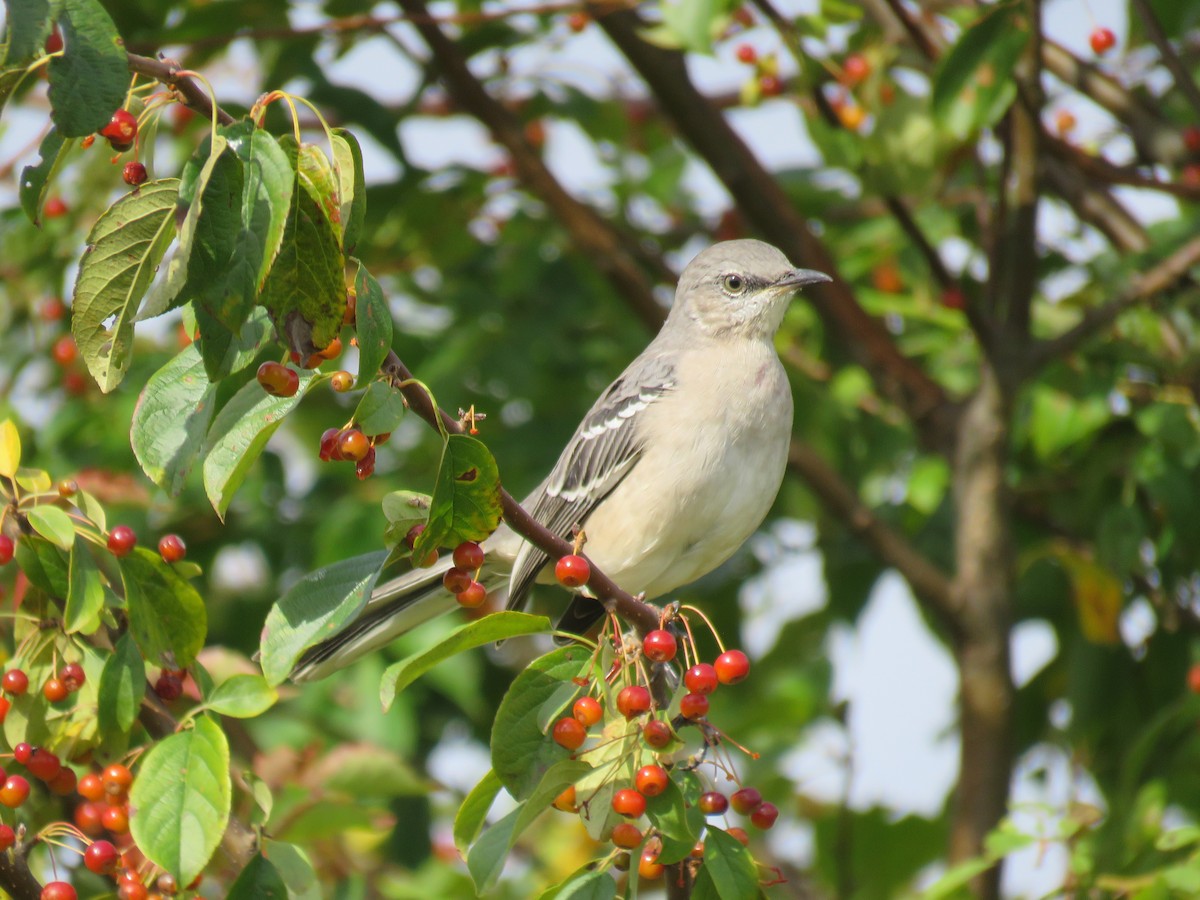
point(674, 466)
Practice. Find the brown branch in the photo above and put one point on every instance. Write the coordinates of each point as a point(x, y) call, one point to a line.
point(1170, 59)
point(1095, 206)
point(15, 876)
point(167, 71)
point(1099, 168)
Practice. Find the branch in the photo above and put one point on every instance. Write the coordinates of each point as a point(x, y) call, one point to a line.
point(14, 870)
point(167, 71)
point(1170, 59)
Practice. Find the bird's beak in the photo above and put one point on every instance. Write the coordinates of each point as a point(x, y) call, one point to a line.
point(798, 278)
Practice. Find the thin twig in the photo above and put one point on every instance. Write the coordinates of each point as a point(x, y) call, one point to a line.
point(1170, 59)
point(166, 72)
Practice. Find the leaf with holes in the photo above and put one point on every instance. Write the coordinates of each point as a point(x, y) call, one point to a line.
point(466, 497)
point(35, 180)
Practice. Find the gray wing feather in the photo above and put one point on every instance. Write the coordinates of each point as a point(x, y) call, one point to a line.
point(605, 447)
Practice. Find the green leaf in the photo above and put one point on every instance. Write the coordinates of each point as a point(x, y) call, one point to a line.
point(372, 323)
point(367, 770)
point(170, 420)
point(53, 524)
point(521, 752)
point(35, 180)
point(589, 884)
point(239, 434)
point(44, 564)
point(181, 798)
point(498, 626)
point(352, 188)
point(678, 823)
point(471, 815)
point(258, 881)
point(320, 182)
point(380, 409)
point(1059, 421)
point(695, 23)
point(295, 869)
point(466, 497)
point(403, 510)
point(28, 26)
point(728, 868)
point(166, 615)
point(242, 697)
point(315, 608)
point(973, 86)
point(122, 684)
point(85, 594)
point(124, 249)
point(89, 80)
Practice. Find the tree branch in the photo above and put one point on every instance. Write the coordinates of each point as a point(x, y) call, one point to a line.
point(14, 871)
point(187, 88)
point(1170, 59)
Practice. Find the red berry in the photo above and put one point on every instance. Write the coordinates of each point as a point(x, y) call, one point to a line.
point(15, 682)
point(365, 467)
point(569, 733)
point(43, 764)
point(577, 21)
point(587, 711)
point(134, 173)
point(746, 800)
point(353, 444)
point(954, 298)
point(651, 780)
point(132, 890)
point(121, 128)
point(468, 555)
point(649, 867)
point(91, 787)
point(54, 208)
point(1191, 138)
point(332, 350)
point(701, 679)
point(22, 752)
point(121, 540)
point(633, 701)
point(747, 54)
point(566, 800)
point(473, 597)
point(169, 685)
point(58, 890)
point(657, 733)
point(659, 646)
point(713, 803)
point(171, 548)
point(732, 666)
point(64, 783)
point(166, 883)
point(117, 779)
point(764, 817)
point(627, 835)
point(628, 802)
point(72, 676)
point(739, 835)
point(101, 857)
point(5, 706)
point(855, 69)
point(68, 488)
point(278, 380)
point(770, 85)
point(54, 41)
point(7, 548)
point(693, 706)
point(410, 539)
point(329, 441)
point(572, 571)
point(115, 819)
point(456, 580)
point(1102, 40)
point(64, 350)
point(1193, 678)
point(88, 818)
point(8, 837)
point(52, 309)
point(1065, 122)
point(54, 690)
point(14, 791)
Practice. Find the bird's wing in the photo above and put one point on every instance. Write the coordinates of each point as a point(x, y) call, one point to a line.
point(603, 450)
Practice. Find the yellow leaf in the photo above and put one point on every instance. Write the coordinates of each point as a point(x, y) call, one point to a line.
point(1097, 595)
point(10, 448)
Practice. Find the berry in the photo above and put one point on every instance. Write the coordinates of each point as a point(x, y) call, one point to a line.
point(1102, 40)
point(15, 682)
point(627, 835)
point(5, 706)
point(659, 646)
point(577, 21)
point(353, 444)
point(55, 208)
point(132, 890)
point(54, 690)
point(115, 819)
point(54, 41)
point(101, 857)
point(649, 867)
point(855, 69)
point(58, 890)
point(117, 779)
point(68, 488)
point(468, 555)
point(566, 800)
point(169, 685)
point(88, 818)
point(8, 837)
point(365, 467)
point(22, 753)
point(954, 298)
point(701, 679)
point(851, 116)
point(713, 803)
point(410, 539)
point(166, 883)
point(64, 350)
point(278, 380)
point(329, 444)
point(121, 128)
point(651, 780)
point(587, 711)
point(572, 571)
point(134, 173)
point(770, 85)
point(171, 548)
point(628, 802)
point(64, 783)
point(746, 800)
point(1193, 679)
point(633, 701)
point(764, 817)
point(732, 666)
point(121, 540)
point(739, 835)
point(14, 791)
point(1191, 138)
point(43, 764)
point(351, 312)
point(747, 54)
point(72, 676)
point(473, 597)
point(332, 350)
point(341, 381)
point(7, 548)
point(456, 580)
point(569, 733)
point(91, 787)
point(74, 384)
point(657, 733)
point(1065, 122)
point(693, 706)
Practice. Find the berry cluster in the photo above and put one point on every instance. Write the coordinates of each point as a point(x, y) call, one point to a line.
point(66, 681)
point(766, 81)
point(351, 445)
point(462, 579)
point(122, 539)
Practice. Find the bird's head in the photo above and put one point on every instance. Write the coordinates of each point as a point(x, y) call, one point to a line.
point(741, 287)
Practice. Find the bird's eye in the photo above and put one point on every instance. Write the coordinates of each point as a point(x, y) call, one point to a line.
point(734, 284)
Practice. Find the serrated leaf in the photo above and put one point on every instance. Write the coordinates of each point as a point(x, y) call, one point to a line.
point(352, 188)
point(122, 684)
point(10, 448)
point(498, 626)
point(316, 607)
point(85, 596)
point(35, 179)
point(380, 409)
point(471, 815)
point(521, 752)
point(44, 564)
point(258, 881)
point(372, 323)
point(124, 248)
point(28, 26)
point(171, 419)
point(466, 496)
point(242, 697)
point(239, 434)
point(181, 799)
point(53, 524)
point(166, 615)
point(89, 80)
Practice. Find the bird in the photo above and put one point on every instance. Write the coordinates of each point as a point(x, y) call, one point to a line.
point(675, 465)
